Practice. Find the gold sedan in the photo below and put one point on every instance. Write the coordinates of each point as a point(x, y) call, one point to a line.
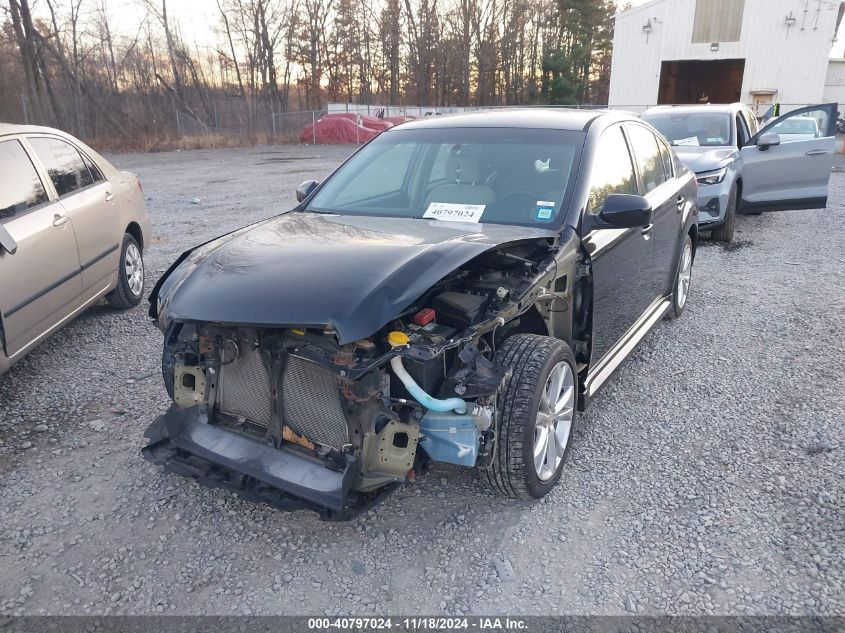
point(72, 230)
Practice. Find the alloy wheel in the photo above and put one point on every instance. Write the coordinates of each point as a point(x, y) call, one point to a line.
point(684, 275)
point(134, 269)
point(554, 420)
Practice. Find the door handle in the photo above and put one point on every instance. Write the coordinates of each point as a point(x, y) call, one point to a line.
point(59, 219)
point(681, 202)
point(816, 152)
point(109, 196)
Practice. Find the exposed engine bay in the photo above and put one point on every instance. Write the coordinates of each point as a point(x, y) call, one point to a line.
point(355, 419)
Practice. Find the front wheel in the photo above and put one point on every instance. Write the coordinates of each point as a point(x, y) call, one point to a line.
point(130, 276)
point(536, 416)
point(725, 233)
point(683, 276)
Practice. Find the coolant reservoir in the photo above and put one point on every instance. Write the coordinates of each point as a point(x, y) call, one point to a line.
point(397, 338)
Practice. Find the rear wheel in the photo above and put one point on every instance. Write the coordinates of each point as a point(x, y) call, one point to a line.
point(725, 233)
point(536, 416)
point(130, 276)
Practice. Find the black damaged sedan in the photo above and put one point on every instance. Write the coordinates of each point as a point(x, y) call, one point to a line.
point(454, 292)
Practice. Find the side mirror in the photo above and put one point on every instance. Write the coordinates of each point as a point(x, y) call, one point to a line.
point(304, 190)
point(7, 242)
point(767, 140)
point(622, 211)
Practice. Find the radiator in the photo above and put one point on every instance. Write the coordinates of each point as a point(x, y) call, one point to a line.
point(310, 400)
point(244, 388)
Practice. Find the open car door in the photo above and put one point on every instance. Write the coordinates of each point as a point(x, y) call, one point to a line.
point(787, 164)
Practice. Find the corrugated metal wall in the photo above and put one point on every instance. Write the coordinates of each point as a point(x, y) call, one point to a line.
point(834, 85)
point(790, 59)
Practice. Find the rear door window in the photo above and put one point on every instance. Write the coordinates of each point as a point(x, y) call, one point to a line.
point(63, 163)
point(666, 155)
point(20, 187)
point(647, 154)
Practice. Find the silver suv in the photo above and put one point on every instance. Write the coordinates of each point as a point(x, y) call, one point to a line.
point(741, 168)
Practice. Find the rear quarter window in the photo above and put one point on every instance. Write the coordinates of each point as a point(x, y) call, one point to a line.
point(96, 172)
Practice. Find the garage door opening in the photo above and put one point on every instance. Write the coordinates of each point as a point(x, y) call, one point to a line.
point(696, 81)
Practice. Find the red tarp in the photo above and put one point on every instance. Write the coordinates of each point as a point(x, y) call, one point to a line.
point(341, 129)
point(372, 122)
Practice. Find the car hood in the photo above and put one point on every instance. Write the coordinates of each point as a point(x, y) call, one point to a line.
point(353, 273)
point(700, 159)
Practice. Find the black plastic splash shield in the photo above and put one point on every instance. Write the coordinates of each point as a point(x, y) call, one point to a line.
point(186, 446)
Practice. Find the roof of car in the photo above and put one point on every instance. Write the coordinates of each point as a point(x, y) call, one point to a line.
point(727, 108)
point(536, 118)
point(12, 128)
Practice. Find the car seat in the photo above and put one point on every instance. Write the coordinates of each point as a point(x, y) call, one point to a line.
point(465, 183)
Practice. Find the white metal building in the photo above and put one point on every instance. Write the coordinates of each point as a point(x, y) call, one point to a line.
point(719, 51)
point(834, 85)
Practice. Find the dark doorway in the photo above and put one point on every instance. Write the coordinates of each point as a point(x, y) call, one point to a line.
point(696, 81)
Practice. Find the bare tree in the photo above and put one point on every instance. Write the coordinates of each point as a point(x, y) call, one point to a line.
point(63, 63)
point(312, 56)
point(174, 56)
point(25, 36)
point(423, 36)
point(231, 43)
point(390, 33)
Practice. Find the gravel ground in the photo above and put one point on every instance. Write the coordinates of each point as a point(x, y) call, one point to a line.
point(707, 479)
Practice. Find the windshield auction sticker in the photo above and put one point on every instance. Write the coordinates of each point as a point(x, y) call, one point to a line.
point(450, 212)
point(692, 141)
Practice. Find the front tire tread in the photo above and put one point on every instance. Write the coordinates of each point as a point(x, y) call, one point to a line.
point(531, 358)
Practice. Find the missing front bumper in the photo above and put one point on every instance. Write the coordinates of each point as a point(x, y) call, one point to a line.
point(185, 445)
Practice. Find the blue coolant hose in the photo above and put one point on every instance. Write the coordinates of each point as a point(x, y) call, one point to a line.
point(441, 406)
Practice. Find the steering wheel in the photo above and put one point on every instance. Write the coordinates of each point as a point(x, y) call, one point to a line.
point(512, 205)
point(527, 196)
point(520, 200)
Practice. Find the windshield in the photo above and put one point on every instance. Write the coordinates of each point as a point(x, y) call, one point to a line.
point(693, 128)
point(498, 175)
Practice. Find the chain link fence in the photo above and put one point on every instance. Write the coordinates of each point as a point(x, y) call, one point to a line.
point(218, 121)
point(298, 127)
point(237, 127)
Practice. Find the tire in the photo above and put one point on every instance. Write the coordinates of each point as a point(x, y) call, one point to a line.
point(130, 276)
point(725, 233)
point(683, 276)
point(532, 359)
